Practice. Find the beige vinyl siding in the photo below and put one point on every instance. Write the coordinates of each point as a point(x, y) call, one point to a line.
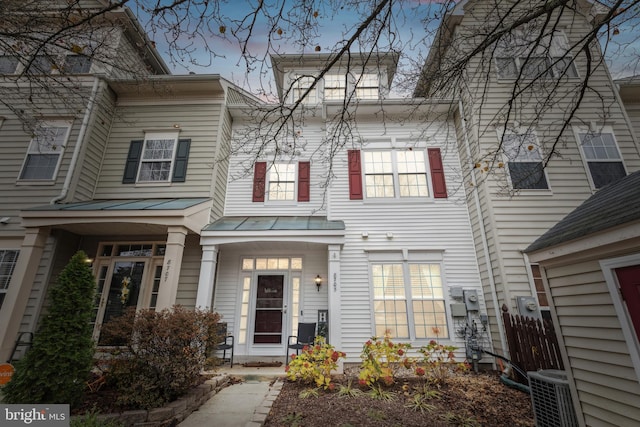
point(93, 152)
point(513, 221)
point(198, 122)
point(189, 272)
point(599, 358)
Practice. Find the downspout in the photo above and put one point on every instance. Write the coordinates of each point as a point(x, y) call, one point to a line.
point(483, 233)
point(79, 142)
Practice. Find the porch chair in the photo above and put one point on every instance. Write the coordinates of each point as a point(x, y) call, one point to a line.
point(306, 336)
point(224, 343)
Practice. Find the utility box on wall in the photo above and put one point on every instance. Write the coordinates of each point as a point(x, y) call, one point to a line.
point(471, 300)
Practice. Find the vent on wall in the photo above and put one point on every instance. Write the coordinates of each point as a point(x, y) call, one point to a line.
point(551, 398)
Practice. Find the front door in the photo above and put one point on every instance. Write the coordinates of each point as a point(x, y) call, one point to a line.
point(270, 308)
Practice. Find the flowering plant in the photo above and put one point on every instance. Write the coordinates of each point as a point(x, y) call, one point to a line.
point(381, 359)
point(440, 362)
point(124, 293)
point(315, 364)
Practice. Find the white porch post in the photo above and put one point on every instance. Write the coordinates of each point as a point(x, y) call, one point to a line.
point(17, 297)
point(204, 298)
point(335, 308)
point(171, 267)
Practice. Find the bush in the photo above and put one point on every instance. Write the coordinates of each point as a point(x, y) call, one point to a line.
point(440, 362)
point(381, 359)
point(161, 353)
point(315, 364)
point(57, 366)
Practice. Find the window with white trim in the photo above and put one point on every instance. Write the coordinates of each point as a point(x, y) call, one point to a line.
point(8, 64)
point(524, 160)
point(301, 84)
point(45, 151)
point(520, 51)
point(282, 181)
point(8, 259)
point(367, 86)
point(335, 86)
point(158, 153)
point(602, 156)
point(391, 172)
point(408, 300)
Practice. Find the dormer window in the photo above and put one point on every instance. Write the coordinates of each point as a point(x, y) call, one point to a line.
point(367, 86)
point(334, 87)
point(301, 85)
point(363, 86)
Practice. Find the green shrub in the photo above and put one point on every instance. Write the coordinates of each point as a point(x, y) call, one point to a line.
point(163, 354)
point(57, 366)
point(439, 359)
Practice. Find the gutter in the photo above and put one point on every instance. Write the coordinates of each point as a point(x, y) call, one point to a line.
point(79, 142)
point(483, 234)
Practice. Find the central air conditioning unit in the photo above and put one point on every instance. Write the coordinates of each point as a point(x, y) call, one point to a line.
point(551, 398)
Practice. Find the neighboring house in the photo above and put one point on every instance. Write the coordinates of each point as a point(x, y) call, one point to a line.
point(503, 145)
point(590, 264)
point(131, 177)
point(389, 237)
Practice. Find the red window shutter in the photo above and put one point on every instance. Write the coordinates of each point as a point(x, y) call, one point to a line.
point(355, 175)
point(304, 175)
point(437, 174)
point(259, 178)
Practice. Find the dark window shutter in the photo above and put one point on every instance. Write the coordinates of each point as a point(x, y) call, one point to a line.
point(437, 174)
point(133, 160)
point(182, 158)
point(304, 176)
point(259, 178)
point(355, 175)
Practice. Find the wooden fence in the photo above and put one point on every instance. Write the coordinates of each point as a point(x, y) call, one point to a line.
point(532, 343)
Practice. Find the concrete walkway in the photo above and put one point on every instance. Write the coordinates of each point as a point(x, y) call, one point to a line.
point(246, 404)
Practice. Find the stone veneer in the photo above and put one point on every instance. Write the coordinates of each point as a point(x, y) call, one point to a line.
point(174, 412)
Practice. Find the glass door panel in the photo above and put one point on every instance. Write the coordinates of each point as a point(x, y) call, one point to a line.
point(269, 309)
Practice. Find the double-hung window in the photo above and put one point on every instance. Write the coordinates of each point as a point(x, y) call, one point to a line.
point(367, 86)
point(335, 86)
point(8, 64)
point(282, 181)
point(45, 151)
point(8, 259)
point(602, 157)
point(160, 158)
point(408, 300)
point(520, 53)
point(302, 84)
point(524, 161)
point(391, 172)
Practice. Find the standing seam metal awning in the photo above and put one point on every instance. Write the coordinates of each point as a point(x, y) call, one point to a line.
point(272, 223)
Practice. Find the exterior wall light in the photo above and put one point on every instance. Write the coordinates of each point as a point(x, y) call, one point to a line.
point(318, 281)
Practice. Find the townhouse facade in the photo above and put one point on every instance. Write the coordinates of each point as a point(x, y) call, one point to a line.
point(529, 155)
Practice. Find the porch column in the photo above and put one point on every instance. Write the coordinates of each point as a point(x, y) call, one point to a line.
point(204, 298)
point(335, 309)
point(17, 297)
point(168, 290)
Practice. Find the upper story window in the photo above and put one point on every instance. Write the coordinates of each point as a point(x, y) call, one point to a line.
point(45, 151)
point(395, 173)
point(160, 158)
point(8, 259)
point(77, 64)
point(367, 86)
point(519, 54)
point(301, 85)
point(282, 181)
point(285, 180)
point(602, 156)
point(388, 173)
point(524, 161)
point(363, 86)
point(8, 64)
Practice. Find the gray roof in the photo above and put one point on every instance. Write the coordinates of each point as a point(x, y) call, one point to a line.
point(128, 204)
point(614, 205)
point(266, 223)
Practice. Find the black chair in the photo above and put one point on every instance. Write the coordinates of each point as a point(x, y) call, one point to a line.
point(224, 343)
point(306, 336)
